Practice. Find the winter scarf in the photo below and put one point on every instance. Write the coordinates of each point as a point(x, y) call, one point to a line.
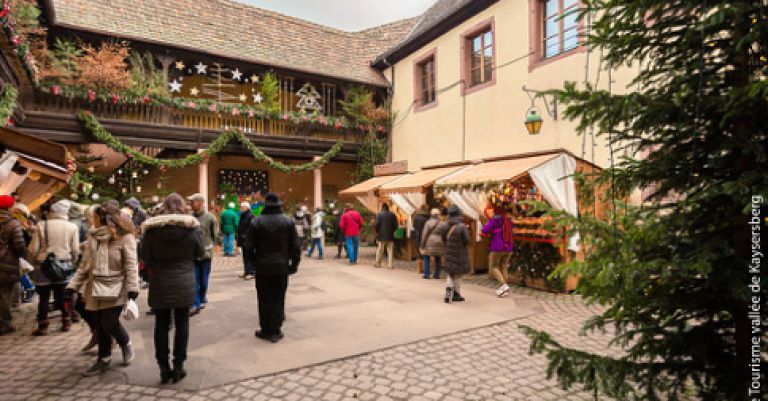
point(99, 249)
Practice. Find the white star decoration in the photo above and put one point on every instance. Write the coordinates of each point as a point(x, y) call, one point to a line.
point(257, 98)
point(236, 74)
point(194, 91)
point(201, 68)
point(254, 78)
point(175, 86)
point(242, 97)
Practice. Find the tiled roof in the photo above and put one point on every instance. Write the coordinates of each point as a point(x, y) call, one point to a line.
point(228, 29)
point(436, 15)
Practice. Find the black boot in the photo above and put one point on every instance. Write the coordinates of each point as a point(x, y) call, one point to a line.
point(165, 372)
point(456, 296)
point(448, 294)
point(178, 372)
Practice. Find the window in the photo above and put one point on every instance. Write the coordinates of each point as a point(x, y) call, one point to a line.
point(425, 81)
point(479, 57)
point(560, 27)
point(427, 78)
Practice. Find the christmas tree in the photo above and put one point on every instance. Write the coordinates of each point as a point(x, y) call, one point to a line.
point(675, 274)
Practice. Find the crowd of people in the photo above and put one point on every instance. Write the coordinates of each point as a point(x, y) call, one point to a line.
point(93, 260)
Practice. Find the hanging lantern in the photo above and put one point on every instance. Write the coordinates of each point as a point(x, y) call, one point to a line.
point(138, 188)
point(533, 122)
point(155, 198)
point(95, 196)
point(134, 174)
point(159, 185)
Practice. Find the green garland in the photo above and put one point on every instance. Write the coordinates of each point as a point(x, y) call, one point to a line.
point(94, 127)
point(8, 96)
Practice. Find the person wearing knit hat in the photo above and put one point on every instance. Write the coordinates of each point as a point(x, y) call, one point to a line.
point(246, 217)
point(57, 236)
point(13, 248)
point(456, 237)
point(228, 223)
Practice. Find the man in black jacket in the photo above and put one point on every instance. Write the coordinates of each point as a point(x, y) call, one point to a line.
point(386, 225)
point(274, 244)
point(246, 217)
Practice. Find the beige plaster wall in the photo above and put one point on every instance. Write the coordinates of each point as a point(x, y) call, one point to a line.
point(489, 122)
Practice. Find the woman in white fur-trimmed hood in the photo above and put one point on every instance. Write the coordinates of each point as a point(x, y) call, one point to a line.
point(172, 242)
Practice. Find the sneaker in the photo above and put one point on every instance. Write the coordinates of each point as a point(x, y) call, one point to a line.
point(128, 354)
point(194, 311)
point(91, 344)
point(502, 291)
point(99, 367)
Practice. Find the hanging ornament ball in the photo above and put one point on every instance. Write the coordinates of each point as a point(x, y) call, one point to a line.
point(138, 188)
point(73, 196)
point(129, 155)
point(91, 96)
point(145, 172)
point(91, 169)
point(163, 169)
point(155, 198)
point(95, 196)
point(115, 99)
point(111, 180)
point(146, 99)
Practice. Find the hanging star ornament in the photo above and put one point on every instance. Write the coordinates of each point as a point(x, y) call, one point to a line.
point(236, 74)
point(175, 86)
point(180, 65)
point(243, 97)
point(257, 98)
point(194, 91)
point(201, 68)
point(254, 78)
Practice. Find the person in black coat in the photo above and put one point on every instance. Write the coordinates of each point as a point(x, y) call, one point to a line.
point(274, 244)
point(338, 235)
point(246, 216)
point(172, 242)
point(386, 225)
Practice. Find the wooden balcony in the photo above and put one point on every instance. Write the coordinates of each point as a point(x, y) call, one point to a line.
point(55, 118)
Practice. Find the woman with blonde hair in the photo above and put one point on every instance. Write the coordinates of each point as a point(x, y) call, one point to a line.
point(108, 277)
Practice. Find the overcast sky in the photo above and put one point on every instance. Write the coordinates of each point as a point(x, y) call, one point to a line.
point(349, 15)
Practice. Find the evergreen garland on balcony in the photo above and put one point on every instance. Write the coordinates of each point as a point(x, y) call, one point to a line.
point(8, 96)
point(93, 126)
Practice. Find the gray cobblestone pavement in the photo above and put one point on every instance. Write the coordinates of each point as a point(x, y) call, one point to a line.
point(485, 363)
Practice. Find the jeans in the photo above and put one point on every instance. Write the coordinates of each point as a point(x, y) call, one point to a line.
point(229, 244)
point(341, 243)
point(202, 272)
point(44, 296)
point(270, 295)
point(108, 326)
point(247, 263)
point(316, 242)
point(180, 337)
point(390, 248)
point(6, 296)
point(26, 283)
point(425, 261)
point(353, 246)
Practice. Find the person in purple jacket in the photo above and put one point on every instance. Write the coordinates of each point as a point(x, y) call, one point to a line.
point(499, 229)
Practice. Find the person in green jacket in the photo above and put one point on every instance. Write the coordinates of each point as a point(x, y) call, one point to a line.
point(228, 222)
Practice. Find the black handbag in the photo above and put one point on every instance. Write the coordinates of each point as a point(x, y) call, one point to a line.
point(54, 269)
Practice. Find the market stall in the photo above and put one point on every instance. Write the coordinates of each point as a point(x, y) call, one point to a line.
point(408, 194)
point(33, 168)
point(367, 194)
point(545, 177)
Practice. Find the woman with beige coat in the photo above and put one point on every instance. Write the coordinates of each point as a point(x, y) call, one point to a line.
point(56, 235)
point(108, 277)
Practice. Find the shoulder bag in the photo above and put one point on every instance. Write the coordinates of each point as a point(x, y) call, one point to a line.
point(53, 268)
